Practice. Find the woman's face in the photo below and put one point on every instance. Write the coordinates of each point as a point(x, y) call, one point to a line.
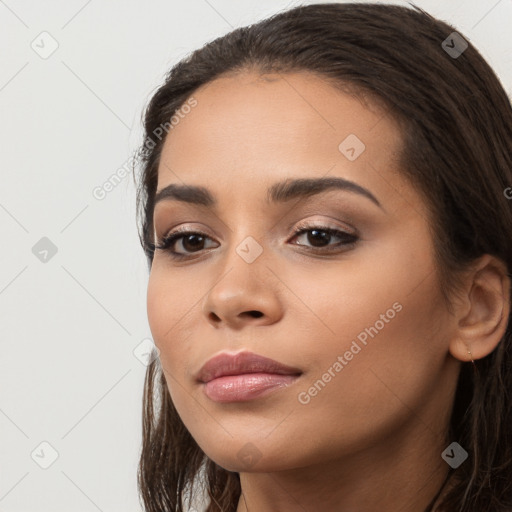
point(358, 314)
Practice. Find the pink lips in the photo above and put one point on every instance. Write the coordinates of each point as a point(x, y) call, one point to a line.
point(244, 376)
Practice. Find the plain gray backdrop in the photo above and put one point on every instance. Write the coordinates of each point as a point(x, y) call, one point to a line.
point(74, 78)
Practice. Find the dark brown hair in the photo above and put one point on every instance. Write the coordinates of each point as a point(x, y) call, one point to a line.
point(456, 126)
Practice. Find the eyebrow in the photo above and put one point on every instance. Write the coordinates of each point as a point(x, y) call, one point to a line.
point(279, 192)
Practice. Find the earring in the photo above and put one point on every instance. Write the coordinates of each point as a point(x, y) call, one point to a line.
point(472, 360)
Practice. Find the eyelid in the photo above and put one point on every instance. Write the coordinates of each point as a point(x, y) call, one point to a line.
point(332, 223)
point(182, 227)
point(294, 227)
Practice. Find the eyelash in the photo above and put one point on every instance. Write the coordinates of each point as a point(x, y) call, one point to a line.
point(169, 240)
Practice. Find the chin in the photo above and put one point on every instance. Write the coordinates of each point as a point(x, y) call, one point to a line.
point(253, 456)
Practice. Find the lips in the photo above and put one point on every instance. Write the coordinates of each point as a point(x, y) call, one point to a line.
point(243, 377)
point(242, 363)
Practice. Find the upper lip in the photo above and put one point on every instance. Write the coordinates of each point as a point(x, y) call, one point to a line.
point(240, 363)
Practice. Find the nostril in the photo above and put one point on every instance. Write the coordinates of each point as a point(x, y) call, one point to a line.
point(255, 314)
point(215, 318)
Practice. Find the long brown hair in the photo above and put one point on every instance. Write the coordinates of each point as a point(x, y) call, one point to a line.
point(456, 124)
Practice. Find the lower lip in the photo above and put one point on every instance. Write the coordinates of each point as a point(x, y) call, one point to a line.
point(240, 388)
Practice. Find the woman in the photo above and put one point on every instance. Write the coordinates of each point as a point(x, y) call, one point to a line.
point(323, 205)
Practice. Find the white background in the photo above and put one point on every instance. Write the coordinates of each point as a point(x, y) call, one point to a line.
point(69, 326)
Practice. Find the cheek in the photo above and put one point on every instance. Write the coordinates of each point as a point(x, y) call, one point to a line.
point(169, 302)
point(390, 301)
point(387, 332)
point(168, 308)
point(159, 307)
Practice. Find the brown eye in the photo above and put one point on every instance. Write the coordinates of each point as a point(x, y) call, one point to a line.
point(320, 237)
point(190, 241)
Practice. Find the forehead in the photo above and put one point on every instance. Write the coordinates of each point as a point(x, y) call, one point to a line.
point(248, 131)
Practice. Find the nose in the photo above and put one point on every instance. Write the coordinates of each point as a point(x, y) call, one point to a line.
point(243, 293)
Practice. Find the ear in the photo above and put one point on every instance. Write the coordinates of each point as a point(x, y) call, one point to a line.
point(484, 310)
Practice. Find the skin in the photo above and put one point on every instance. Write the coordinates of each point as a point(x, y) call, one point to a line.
point(371, 439)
